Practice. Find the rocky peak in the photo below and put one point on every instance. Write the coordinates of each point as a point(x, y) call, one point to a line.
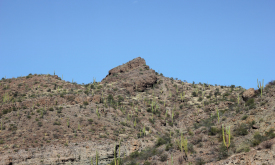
point(135, 63)
point(135, 75)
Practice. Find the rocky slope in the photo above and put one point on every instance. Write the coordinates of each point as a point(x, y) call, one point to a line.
point(136, 114)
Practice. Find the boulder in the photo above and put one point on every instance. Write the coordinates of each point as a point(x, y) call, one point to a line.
point(96, 99)
point(255, 127)
point(249, 94)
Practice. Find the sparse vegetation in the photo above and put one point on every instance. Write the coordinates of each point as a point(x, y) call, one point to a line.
point(41, 110)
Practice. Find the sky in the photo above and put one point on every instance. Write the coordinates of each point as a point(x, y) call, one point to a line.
point(228, 42)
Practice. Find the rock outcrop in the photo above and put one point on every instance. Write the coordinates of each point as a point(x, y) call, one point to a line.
point(135, 75)
point(248, 94)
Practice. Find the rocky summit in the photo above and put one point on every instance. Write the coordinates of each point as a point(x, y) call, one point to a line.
point(134, 116)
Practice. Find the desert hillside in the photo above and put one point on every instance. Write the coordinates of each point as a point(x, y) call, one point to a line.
point(134, 116)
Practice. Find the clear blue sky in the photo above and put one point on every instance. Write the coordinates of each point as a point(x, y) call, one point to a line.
point(221, 42)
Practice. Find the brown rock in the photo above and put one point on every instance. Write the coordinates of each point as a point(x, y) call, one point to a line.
point(135, 145)
point(198, 120)
point(96, 99)
point(89, 98)
point(248, 94)
point(255, 127)
point(133, 76)
point(55, 76)
point(128, 66)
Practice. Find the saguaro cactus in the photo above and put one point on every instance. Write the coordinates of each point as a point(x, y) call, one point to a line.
point(218, 114)
point(261, 86)
point(226, 138)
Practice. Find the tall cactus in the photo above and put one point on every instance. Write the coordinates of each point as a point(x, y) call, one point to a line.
point(96, 159)
point(115, 155)
point(218, 114)
point(172, 162)
point(261, 86)
point(172, 115)
point(226, 138)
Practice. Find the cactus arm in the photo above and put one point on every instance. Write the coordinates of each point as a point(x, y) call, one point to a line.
point(223, 135)
point(228, 136)
point(96, 158)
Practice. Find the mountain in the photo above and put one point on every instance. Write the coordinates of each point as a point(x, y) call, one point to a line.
point(134, 116)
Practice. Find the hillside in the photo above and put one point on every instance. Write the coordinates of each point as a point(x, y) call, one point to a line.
point(136, 116)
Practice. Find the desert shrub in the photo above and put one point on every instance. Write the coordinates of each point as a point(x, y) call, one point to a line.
point(243, 149)
point(86, 92)
point(5, 111)
point(194, 94)
point(125, 124)
point(244, 117)
point(200, 145)
point(170, 123)
point(200, 99)
point(251, 123)
point(134, 154)
point(267, 144)
point(197, 140)
point(12, 127)
point(168, 146)
point(223, 152)
point(241, 129)
point(206, 122)
point(59, 110)
point(226, 94)
point(270, 133)
point(57, 123)
point(163, 140)
point(163, 157)
point(140, 135)
point(110, 98)
point(85, 103)
point(213, 131)
point(176, 115)
point(199, 161)
point(39, 124)
point(131, 163)
point(120, 98)
point(258, 138)
point(51, 109)
point(145, 154)
point(146, 163)
point(191, 148)
point(29, 76)
point(250, 103)
point(160, 142)
point(90, 120)
point(56, 136)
